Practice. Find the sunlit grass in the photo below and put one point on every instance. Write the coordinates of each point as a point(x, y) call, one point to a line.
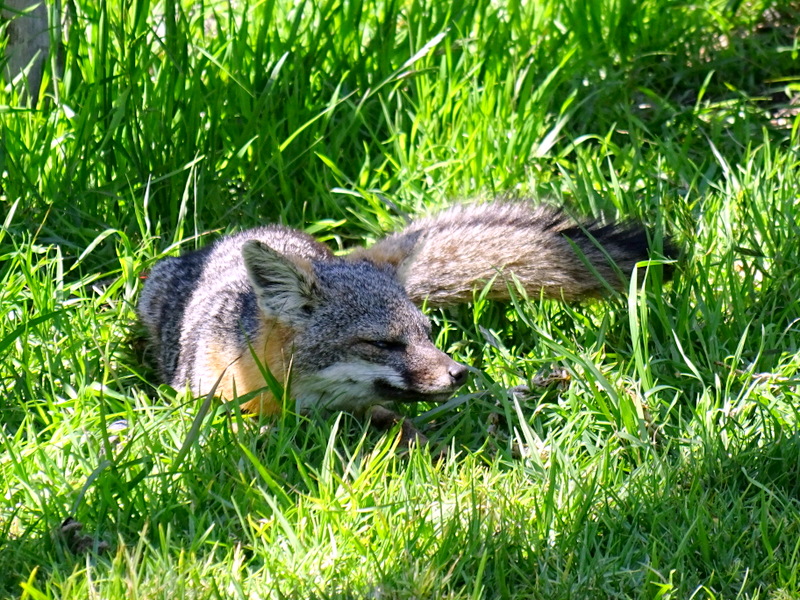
point(655, 453)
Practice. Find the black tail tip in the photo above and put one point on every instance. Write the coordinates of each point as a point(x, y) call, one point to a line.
point(640, 241)
point(636, 241)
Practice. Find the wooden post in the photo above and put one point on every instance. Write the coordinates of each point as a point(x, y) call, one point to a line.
point(28, 44)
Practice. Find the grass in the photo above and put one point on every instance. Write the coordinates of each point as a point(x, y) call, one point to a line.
point(659, 461)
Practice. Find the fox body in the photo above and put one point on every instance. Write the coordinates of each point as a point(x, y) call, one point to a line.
point(348, 331)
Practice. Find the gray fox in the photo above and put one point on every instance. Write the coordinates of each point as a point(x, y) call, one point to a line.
point(347, 331)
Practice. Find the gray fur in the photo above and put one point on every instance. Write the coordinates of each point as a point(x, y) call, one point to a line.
point(356, 337)
point(360, 305)
point(338, 311)
point(206, 295)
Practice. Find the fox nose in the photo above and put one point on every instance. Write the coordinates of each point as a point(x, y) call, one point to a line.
point(458, 374)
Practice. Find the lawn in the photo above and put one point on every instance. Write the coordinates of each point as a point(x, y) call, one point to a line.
point(656, 450)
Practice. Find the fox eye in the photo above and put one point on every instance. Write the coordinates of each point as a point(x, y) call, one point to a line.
point(393, 346)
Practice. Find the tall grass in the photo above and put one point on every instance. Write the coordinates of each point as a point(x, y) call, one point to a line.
point(655, 453)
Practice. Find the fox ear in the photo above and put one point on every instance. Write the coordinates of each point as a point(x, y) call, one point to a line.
point(286, 287)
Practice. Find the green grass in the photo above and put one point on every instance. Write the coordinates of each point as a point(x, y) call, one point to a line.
point(664, 464)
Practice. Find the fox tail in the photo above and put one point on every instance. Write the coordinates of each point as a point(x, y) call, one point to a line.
point(442, 259)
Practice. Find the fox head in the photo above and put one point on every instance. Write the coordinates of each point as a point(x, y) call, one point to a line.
point(358, 340)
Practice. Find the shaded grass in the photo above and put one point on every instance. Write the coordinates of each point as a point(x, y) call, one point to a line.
point(660, 460)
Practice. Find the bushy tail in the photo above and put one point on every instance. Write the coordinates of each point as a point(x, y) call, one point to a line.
point(444, 258)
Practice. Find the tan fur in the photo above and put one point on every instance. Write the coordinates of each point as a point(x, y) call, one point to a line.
point(243, 375)
point(390, 251)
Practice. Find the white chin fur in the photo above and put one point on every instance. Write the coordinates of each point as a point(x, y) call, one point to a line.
point(346, 386)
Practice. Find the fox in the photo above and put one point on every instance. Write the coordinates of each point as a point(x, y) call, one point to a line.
point(347, 333)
